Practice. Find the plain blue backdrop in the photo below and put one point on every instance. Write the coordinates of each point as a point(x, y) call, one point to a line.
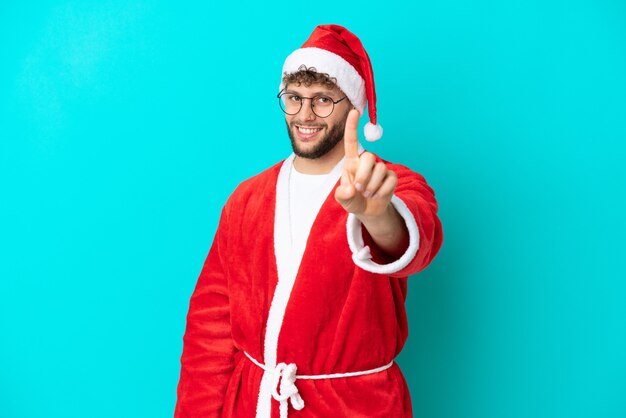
point(125, 125)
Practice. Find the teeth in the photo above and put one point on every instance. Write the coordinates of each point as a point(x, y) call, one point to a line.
point(307, 131)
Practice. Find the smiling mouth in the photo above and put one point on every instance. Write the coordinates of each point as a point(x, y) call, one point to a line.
point(307, 131)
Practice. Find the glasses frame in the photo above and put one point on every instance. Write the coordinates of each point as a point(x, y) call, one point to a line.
point(283, 92)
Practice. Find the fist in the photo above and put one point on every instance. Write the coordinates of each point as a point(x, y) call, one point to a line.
point(366, 186)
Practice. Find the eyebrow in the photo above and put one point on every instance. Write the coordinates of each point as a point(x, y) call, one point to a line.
point(316, 93)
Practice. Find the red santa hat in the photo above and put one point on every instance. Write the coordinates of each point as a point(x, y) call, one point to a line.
point(334, 50)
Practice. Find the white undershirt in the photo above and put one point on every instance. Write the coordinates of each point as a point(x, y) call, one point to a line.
point(306, 195)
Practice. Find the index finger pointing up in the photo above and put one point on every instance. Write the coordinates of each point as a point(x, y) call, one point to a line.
point(350, 136)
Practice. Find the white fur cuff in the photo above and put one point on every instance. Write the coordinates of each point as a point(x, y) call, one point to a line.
point(361, 253)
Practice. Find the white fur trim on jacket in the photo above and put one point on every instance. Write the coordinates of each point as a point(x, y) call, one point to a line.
point(361, 253)
point(348, 79)
point(288, 257)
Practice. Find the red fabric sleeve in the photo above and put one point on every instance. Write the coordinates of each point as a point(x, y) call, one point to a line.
point(420, 199)
point(207, 361)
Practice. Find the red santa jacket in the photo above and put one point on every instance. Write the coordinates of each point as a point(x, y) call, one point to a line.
point(342, 312)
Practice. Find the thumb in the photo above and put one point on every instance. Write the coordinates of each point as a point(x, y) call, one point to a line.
point(345, 192)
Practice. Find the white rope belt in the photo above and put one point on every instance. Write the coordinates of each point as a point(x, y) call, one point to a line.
point(288, 389)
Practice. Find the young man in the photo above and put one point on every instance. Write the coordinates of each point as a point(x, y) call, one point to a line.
point(299, 308)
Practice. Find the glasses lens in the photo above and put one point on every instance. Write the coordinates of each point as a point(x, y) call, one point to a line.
point(290, 103)
point(322, 106)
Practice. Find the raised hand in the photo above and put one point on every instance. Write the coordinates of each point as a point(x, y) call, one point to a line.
point(366, 186)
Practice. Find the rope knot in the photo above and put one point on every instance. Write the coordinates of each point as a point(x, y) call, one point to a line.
point(285, 374)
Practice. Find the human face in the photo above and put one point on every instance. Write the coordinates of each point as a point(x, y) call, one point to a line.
point(313, 137)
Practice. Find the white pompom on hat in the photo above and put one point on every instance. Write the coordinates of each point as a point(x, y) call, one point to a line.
point(334, 50)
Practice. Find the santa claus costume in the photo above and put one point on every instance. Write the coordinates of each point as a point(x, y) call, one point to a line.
point(301, 315)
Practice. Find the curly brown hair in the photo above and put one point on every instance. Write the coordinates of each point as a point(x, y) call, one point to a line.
point(308, 76)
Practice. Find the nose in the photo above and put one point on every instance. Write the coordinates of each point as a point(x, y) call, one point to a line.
point(307, 110)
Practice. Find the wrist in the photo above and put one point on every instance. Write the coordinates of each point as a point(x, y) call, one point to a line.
point(387, 214)
point(388, 231)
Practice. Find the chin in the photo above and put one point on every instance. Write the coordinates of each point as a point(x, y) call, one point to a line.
point(310, 153)
point(315, 148)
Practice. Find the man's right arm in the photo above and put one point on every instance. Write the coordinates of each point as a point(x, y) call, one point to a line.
point(207, 361)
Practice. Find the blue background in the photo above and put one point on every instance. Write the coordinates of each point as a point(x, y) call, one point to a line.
point(125, 125)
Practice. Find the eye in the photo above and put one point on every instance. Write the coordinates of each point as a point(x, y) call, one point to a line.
point(293, 98)
point(323, 100)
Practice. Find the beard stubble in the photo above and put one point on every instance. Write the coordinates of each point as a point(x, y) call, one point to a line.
point(323, 147)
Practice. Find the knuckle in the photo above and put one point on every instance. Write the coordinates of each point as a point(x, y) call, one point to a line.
point(373, 191)
point(361, 178)
point(372, 185)
point(367, 156)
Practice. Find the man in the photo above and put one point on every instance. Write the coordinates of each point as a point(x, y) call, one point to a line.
point(299, 308)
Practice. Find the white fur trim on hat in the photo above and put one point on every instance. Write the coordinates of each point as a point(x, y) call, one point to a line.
point(348, 79)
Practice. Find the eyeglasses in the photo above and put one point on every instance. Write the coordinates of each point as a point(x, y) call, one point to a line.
point(321, 105)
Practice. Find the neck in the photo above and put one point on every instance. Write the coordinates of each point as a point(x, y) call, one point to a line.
point(322, 165)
